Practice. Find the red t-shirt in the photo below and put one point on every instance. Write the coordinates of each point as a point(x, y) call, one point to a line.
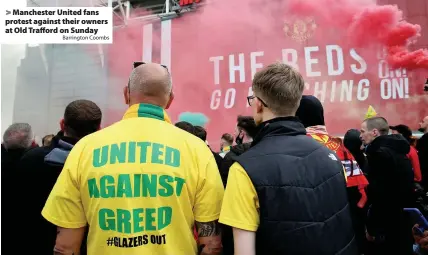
point(414, 159)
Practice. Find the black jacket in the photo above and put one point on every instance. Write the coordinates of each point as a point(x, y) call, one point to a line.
point(391, 189)
point(10, 159)
point(390, 172)
point(391, 181)
point(39, 169)
point(302, 193)
point(422, 148)
point(218, 159)
point(230, 158)
point(11, 186)
point(353, 143)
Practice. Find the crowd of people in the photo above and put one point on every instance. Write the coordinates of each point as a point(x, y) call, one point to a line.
point(281, 184)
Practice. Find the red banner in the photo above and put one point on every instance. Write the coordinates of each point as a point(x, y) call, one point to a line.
point(212, 68)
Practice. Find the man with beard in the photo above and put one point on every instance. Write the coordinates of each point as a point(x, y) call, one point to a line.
point(390, 190)
point(244, 132)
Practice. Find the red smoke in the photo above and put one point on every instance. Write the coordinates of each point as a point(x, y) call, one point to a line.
point(227, 29)
point(368, 24)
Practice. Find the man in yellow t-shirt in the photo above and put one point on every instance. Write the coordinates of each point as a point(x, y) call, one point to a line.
point(141, 184)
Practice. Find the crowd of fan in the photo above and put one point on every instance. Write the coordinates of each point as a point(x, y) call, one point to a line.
point(298, 211)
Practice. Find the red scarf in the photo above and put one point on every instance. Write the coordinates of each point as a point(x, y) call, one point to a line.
point(355, 176)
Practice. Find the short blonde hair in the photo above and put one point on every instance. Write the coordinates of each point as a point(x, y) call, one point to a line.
point(280, 86)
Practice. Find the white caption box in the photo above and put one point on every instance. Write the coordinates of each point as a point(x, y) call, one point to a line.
point(52, 25)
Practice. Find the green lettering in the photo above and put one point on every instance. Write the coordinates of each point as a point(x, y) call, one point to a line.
point(100, 158)
point(156, 153)
point(137, 185)
point(172, 157)
point(164, 217)
point(180, 184)
point(123, 221)
point(118, 154)
point(150, 219)
point(131, 152)
point(124, 185)
point(106, 219)
point(107, 186)
point(164, 181)
point(93, 189)
point(149, 185)
point(143, 151)
point(137, 219)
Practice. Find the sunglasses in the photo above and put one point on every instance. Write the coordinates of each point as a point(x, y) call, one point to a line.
point(250, 99)
point(139, 63)
point(135, 65)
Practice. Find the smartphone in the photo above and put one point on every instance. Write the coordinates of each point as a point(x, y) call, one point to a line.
point(417, 218)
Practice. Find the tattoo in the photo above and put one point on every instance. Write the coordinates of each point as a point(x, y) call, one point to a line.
point(209, 238)
point(212, 248)
point(201, 248)
point(208, 228)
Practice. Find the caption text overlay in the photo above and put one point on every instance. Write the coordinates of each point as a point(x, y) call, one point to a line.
point(89, 25)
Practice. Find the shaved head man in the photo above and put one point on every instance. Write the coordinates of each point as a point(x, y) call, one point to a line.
point(149, 83)
point(163, 180)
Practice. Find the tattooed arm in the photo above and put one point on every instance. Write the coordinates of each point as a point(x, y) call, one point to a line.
point(209, 238)
point(68, 241)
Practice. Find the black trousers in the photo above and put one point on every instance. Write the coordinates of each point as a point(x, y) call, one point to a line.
point(358, 218)
point(397, 240)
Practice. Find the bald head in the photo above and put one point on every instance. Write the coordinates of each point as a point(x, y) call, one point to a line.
point(150, 83)
point(423, 125)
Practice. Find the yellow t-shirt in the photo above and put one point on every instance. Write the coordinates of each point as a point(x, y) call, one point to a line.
point(140, 184)
point(240, 202)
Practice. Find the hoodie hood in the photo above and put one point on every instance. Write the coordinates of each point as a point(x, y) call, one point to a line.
point(58, 155)
point(396, 143)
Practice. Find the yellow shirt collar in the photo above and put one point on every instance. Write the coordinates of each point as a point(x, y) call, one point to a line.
point(146, 111)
